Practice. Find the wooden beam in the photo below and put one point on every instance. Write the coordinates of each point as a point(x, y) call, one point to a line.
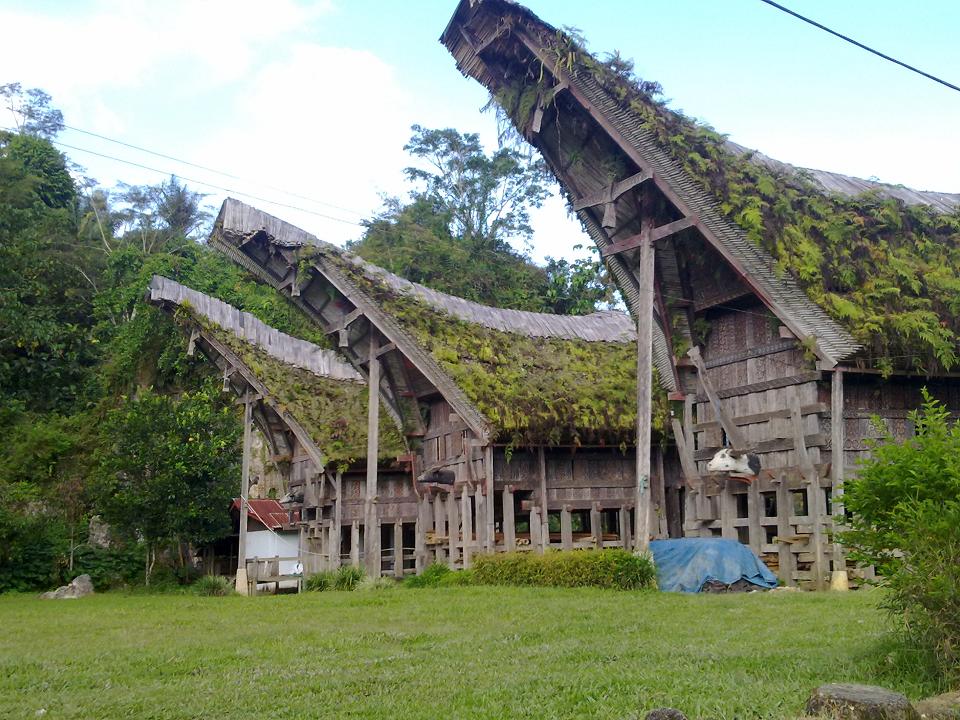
point(509, 521)
point(397, 548)
point(370, 542)
point(453, 530)
point(241, 584)
point(734, 436)
point(466, 519)
point(657, 233)
point(542, 475)
point(566, 528)
point(838, 435)
point(612, 192)
point(811, 409)
point(644, 401)
point(596, 526)
point(543, 100)
point(814, 491)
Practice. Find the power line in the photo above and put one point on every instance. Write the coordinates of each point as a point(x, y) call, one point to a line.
point(209, 169)
point(860, 45)
point(209, 185)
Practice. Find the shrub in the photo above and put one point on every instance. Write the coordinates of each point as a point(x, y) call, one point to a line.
point(347, 578)
point(905, 506)
point(319, 582)
point(578, 568)
point(430, 577)
point(376, 583)
point(214, 585)
point(458, 578)
point(111, 567)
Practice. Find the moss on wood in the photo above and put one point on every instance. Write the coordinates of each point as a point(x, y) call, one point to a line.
point(333, 412)
point(889, 272)
point(532, 390)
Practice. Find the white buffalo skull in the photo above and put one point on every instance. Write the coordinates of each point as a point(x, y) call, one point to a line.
point(744, 466)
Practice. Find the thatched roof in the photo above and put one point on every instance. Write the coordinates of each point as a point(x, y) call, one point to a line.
point(851, 275)
point(527, 377)
point(305, 385)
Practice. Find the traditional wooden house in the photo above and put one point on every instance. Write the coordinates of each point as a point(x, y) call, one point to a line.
point(789, 306)
point(311, 406)
point(520, 426)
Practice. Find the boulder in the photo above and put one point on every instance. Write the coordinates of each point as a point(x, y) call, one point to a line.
point(665, 714)
point(79, 587)
point(859, 702)
point(940, 707)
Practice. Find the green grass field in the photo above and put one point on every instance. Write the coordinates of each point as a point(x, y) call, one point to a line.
point(443, 653)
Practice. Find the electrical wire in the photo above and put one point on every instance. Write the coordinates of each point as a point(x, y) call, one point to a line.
point(860, 45)
point(207, 184)
point(212, 170)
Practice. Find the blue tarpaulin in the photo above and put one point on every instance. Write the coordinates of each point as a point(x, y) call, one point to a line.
point(685, 564)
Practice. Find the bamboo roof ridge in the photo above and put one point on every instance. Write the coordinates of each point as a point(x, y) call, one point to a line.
point(246, 327)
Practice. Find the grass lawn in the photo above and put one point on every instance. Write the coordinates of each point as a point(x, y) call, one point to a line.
point(469, 652)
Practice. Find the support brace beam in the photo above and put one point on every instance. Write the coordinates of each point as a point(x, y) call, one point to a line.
point(608, 197)
point(658, 233)
point(543, 100)
point(734, 436)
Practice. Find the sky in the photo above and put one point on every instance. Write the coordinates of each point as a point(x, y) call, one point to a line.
point(304, 107)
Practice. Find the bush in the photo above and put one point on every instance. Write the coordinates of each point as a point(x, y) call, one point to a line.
point(458, 578)
point(214, 586)
point(376, 583)
point(905, 504)
point(111, 567)
point(319, 582)
point(347, 578)
point(430, 577)
point(578, 568)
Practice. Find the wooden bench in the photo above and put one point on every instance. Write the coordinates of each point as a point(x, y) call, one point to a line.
point(267, 570)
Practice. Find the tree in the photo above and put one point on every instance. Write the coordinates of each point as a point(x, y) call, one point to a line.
point(578, 287)
point(31, 111)
point(486, 197)
point(905, 505)
point(169, 468)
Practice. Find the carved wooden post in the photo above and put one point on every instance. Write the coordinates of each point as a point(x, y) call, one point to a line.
point(566, 528)
point(466, 518)
point(355, 543)
point(544, 513)
point(838, 579)
point(398, 548)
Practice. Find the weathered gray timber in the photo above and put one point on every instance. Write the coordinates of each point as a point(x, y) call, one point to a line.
point(847, 701)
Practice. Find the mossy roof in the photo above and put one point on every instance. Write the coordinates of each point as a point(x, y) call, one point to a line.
point(535, 377)
point(867, 270)
point(324, 394)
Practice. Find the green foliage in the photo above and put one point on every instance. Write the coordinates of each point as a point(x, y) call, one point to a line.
point(320, 582)
point(31, 548)
point(214, 586)
point(905, 502)
point(169, 466)
point(347, 578)
point(615, 569)
point(372, 584)
point(460, 578)
point(430, 577)
point(120, 565)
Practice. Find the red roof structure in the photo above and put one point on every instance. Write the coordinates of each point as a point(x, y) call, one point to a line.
point(269, 513)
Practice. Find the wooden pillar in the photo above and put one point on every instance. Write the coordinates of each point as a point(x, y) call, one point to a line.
point(479, 518)
point(754, 511)
point(371, 539)
point(453, 530)
point(784, 531)
point(644, 373)
point(489, 479)
point(727, 510)
point(398, 548)
point(536, 529)
point(544, 517)
point(440, 527)
point(355, 543)
point(814, 491)
point(838, 579)
point(661, 498)
point(420, 533)
point(566, 528)
point(337, 521)
point(241, 580)
point(466, 519)
point(625, 534)
point(596, 526)
point(509, 521)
